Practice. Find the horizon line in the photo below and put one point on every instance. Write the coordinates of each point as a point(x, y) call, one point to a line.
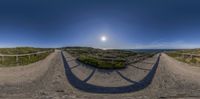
point(96, 47)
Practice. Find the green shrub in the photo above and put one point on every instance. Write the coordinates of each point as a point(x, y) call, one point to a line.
point(99, 63)
point(193, 60)
point(173, 54)
point(106, 59)
point(9, 61)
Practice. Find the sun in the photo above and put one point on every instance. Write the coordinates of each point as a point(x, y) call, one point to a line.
point(103, 38)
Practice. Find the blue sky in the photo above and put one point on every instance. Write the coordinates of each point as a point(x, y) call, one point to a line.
point(126, 23)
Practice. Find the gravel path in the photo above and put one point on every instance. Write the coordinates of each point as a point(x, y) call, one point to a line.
point(49, 79)
point(94, 80)
point(24, 74)
point(177, 80)
point(50, 82)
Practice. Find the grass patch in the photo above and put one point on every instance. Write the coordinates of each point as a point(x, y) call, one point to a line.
point(187, 59)
point(21, 50)
point(8, 61)
point(102, 63)
point(107, 59)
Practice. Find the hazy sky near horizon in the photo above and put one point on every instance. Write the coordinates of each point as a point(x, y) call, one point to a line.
point(125, 23)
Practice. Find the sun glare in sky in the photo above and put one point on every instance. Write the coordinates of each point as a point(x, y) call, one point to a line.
point(120, 24)
point(103, 38)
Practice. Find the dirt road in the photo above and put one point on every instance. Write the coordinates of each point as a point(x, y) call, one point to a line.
point(54, 78)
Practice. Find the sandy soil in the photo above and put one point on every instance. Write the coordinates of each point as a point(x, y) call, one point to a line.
point(49, 79)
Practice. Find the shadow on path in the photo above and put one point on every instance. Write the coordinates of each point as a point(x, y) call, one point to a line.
point(75, 66)
point(88, 78)
point(125, 78)
point(140, 68)
point(147, 62)
point(84, 86)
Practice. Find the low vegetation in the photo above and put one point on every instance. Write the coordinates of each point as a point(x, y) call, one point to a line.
point(21, 50)
point(102, 63)
point(7, 61)
point(106, 59)
point(191, 56)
